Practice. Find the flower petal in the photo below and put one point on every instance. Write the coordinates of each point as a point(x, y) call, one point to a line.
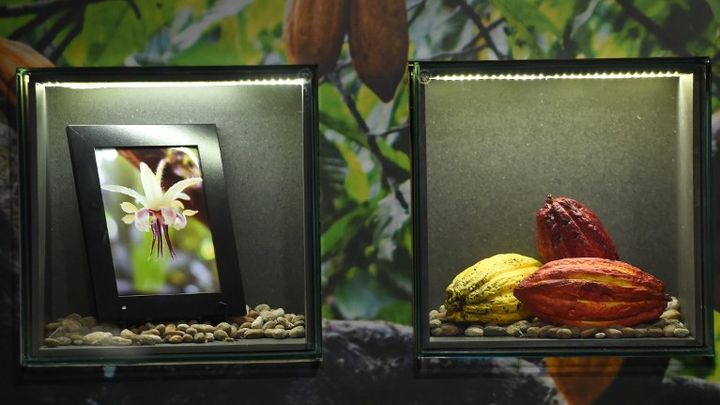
point(127, 191)
point(152, 189)
point(178, 187)
point(168, 215)
point(142, 220)
point(129, 208)
point(129, 218)
point(189, 213)
point(180, 222)
point(182, 196)
point(177, 204)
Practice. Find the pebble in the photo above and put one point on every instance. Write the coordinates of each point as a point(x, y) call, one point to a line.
point(147, 339)
point(474, 331)
point(628, 332)
point(613, 333)
point(257, 323)
point(671, 314)
point(51, 342)
point(64, 340)
point(262, 307)
point(436, 332)
point(673, 304)
point(127, 334)
point(494, 330)
point(88, 321)
point(175, 339)
point(220, 334)
point(246, 325)
point(532, 332)
point(199, 338)
point(513, 331)
point(545, 331)
point(72, 325)
point(269, 325)
point(98, 338)
point(586, 333)
point(279, 333)
point(564, 333)
point(225, 327)
point(209, 337)
point(297, 332)
point(449, 329)
point(120, 341)
point(669, 330)
point(191, 331)
point(187, 338)
point(253, 333)
point(681, 332)
point(161, 329)
point(52, 326)
point(600, 335)
point(641, 333)
point(182, 327)
point(654, 332)
point(151, 332)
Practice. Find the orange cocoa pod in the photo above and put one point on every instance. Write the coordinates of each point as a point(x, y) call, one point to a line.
point(581, 380)
point(378, 38)
point(13, 55)
point(592, 292)
point(315, 31)
point(568, 228)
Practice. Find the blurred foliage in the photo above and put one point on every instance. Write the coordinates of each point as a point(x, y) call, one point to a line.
point(364, 150)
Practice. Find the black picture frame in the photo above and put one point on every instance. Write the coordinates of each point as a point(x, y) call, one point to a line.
point(83, 141)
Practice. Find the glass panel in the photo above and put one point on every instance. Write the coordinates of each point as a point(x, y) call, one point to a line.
point(266, 149)
point(495, 144)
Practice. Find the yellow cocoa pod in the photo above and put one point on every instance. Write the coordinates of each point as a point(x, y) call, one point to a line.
point(378, 39)
point(315, 31)
point(484, 291)
point(13, 55)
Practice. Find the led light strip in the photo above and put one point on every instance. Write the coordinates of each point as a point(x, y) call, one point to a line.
point(541, 76)
point(103, 85)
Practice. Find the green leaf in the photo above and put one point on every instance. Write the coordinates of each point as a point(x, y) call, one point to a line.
point(357, 185)
point(148, 272)
point(334, 239)
point(398, 312)
point(360, 295)
point(395, 156)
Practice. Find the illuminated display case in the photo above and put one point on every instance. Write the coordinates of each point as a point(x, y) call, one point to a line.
point(168, 214)
point(561, 207)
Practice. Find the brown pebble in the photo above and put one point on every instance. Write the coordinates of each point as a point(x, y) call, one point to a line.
point(436, 332)
point(127, 334)
point(209, 337)
point(225, 327)
point(228, 339)
point(171, 327)
point(220, 334)
point(120, 341)
point(449, 329)
point(654, 332)
point(50, 327)
point(279, 333)
point(151, 332)
point(246, 325)
point(160, 328)
point(564, 333)
point(613, 333)
point(199, 338)
point(681, 332)
point(187, 338)
point(182, 327)
point(191, 331)
point(253, 333)
point(51, 342)
point(532, 332)
point(174, 339)
point(669, 330)
point(628, 332)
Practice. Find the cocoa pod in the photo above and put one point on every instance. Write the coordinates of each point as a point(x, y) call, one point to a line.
point(13, 55)
point(581, 380)
point(592, 292)
point(568, 228)
point(315, 31)
point(378, 37)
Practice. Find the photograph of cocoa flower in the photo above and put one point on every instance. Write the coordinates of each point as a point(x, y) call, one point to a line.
point(156, 217)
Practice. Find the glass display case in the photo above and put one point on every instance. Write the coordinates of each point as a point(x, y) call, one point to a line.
point(168, 215)
point(561, 207)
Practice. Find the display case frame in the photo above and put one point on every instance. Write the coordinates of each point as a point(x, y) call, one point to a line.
point(207, 83)
point(421, 73)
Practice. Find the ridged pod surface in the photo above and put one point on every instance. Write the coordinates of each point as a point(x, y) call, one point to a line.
point(592, 292)
point(484, 291)
point(568, 228)
point(315, 31)
point(378, 37)
point(15, 54)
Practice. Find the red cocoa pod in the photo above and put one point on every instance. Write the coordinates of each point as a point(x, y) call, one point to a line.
point(13, 55)
point(568, 228)
point(378, 37)
point(314, 32)
point(592, 292)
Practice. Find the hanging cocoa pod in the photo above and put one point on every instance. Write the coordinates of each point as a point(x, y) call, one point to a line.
point(315, 31)
point(568, 228)
point(378, 39)
point(13, 55)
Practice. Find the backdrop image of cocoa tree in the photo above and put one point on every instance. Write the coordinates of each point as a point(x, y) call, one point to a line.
point(362, 48)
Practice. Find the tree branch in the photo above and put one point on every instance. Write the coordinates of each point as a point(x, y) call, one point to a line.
point(477, 20)
point(372, 140)
point(75, 31)
point(665, 39)
point(43, 6)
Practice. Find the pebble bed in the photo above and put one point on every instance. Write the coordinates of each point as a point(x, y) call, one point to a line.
point(669, 324)
point(260, 322)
